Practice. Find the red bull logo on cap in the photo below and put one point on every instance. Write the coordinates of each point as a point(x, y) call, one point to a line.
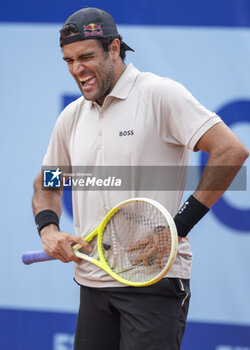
point(93, 30)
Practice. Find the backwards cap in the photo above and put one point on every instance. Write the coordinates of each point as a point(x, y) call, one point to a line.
point(91, 23)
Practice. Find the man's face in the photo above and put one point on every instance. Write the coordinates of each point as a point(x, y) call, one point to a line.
point(91, 67)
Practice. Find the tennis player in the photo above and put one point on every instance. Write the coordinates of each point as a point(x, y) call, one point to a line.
point(128, 118)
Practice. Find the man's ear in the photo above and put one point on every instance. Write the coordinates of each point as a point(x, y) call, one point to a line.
point(115, 48)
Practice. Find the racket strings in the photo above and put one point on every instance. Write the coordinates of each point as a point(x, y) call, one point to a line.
point(139, 240)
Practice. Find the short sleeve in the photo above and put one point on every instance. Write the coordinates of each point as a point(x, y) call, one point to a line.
point(58, 152)
point(183, 119)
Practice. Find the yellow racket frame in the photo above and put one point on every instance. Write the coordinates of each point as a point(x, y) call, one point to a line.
point(99, 233)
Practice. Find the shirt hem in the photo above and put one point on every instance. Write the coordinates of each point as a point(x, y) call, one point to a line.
point(81, 281)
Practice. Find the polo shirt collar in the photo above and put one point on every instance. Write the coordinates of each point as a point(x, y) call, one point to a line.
point(124, 84)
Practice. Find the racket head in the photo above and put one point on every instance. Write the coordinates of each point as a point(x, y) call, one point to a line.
point(132, 221)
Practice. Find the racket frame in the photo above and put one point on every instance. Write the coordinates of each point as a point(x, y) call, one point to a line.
point(99, 233)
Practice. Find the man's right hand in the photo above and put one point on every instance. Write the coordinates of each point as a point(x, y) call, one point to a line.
point(59, 244)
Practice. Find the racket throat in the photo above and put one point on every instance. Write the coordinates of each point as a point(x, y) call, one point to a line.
point(106, 246)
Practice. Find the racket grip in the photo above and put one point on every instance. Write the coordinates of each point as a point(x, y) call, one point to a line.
point(31, 257)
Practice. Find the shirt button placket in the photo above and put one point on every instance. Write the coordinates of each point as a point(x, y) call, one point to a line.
point(99, 146)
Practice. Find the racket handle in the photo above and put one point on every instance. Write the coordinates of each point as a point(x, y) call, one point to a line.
point(31, 257)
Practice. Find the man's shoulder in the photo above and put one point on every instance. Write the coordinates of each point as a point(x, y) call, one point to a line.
point(69, 114)
point(72, 109)
point(148, 78)
point(74, 105)
point(153, 84)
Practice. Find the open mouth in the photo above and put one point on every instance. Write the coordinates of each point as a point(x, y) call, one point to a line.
point(87, 80)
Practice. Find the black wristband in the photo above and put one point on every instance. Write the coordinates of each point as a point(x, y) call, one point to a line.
point(45, 218)
point(190, 213)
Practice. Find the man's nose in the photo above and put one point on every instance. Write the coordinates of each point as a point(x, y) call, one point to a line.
point(78, 67)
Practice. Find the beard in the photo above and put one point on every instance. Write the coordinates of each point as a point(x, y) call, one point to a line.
point(105, 77)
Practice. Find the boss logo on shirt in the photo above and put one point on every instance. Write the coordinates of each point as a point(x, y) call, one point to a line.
point(126, 133)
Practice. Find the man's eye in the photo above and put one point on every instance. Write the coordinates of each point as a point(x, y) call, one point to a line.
point(86, 58)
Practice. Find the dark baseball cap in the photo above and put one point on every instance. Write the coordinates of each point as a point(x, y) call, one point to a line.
point(91, 23)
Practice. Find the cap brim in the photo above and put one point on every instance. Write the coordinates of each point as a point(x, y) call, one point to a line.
point(126, 47)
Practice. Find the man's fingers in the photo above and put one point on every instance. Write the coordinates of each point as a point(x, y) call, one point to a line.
point(57, 253)
point(144, 255)
point(70, 258)
point(159, 259)
point(73, 257)
point(82, 242)
point(63, 258)
point(138, 245)
point(61, 247)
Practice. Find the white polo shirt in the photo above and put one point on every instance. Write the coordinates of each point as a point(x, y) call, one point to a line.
point(146, 120)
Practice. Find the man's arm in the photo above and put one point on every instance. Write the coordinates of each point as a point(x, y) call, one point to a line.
point(55, 243)
point(226, 156)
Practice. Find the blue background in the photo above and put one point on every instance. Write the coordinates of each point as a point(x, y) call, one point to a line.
point(205, 45)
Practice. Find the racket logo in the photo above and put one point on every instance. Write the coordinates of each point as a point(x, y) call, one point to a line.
point(52, 178)
point(135, 218)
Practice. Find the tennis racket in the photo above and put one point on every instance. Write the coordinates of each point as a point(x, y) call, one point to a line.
point(136, 243)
